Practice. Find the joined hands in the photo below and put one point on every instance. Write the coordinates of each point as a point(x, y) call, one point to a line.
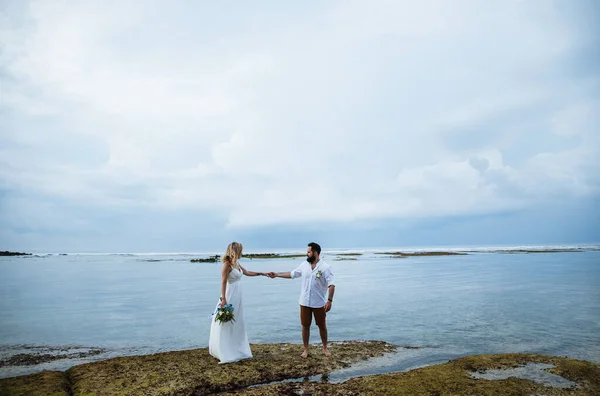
point(271, 275)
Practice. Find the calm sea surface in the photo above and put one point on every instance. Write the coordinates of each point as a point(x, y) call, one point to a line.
point(446, 306)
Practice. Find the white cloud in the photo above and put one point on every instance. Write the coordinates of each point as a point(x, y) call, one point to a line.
point(338, 113)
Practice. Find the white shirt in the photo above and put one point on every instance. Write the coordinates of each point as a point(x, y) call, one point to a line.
point(315, 283)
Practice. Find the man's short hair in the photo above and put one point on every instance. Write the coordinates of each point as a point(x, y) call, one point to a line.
point(315, 247)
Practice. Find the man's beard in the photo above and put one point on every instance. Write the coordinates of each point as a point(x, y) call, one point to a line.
point(311, 259)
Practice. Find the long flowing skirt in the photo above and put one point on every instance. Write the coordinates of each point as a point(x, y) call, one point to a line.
point(228, 341)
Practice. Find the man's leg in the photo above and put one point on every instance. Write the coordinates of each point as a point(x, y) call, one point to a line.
point(320, 319)
point(305, 321)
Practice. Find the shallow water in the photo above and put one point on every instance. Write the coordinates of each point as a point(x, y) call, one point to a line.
point(447, 306)
point(535, 372)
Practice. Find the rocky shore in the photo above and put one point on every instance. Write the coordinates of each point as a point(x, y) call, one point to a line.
point(31, 355)
point(277, 369)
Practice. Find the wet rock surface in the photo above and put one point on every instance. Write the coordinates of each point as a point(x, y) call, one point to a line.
point(535, 372)
point(27, 355)
point(278, 369)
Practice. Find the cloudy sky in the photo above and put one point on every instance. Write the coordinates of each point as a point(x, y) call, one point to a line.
point(182, 125)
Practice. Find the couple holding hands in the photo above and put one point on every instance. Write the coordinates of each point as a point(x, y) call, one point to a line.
point(228, 339)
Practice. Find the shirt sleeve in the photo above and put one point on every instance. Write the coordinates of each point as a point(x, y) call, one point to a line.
point(329, 277)
point(297, 272)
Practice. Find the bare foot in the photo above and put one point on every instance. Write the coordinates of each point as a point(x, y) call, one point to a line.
point(326, 352)
point(304, 354)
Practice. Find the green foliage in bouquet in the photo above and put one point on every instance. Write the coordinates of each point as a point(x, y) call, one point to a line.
point(224, 314)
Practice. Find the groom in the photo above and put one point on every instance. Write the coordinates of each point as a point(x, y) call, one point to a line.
point(316, 294)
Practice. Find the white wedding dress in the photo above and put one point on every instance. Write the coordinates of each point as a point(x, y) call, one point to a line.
point(228, 341)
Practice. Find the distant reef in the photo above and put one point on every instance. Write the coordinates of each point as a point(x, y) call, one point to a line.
point(7, 253)
point(250, 256)
point(209, 259)
point(271, 255)
point(518, 251)
point(419, 254)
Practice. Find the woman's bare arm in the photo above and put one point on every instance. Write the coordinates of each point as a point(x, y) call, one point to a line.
point(224, 273)
point(250, 273)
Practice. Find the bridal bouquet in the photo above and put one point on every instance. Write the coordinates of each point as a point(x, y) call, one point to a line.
point(224, 314)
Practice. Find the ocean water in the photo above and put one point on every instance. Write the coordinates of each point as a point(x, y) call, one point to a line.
point(436, 308)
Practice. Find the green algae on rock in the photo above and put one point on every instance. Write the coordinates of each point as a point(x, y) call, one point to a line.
point(28, 359)
point(46, 383)
point(195, 372)
point(453, 378)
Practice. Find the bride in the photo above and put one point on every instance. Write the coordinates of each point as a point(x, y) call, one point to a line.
point(229, 341)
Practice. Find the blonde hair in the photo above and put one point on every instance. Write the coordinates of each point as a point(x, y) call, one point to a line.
point(232, 254)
